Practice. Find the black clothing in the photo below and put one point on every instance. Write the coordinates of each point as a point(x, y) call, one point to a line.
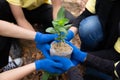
point(108, 12)
point(103, 65)
point(74, 74)
point(5, 44)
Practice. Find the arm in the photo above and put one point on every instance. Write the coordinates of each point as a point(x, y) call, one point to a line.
point(99, 63)
point(11, 30)
point(107, 66)
point(20, 18)
point(18, 73)
point(56, 6)
point(74, 74)
point(76, 22)
point(52, 66)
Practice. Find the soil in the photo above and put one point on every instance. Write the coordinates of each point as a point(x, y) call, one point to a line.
point(61, 49)
point(30, 53)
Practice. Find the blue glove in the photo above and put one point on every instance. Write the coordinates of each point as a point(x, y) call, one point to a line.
point(70, 35)
point(67, 63)
point(49, 66)
point(45, 49)
point(75, 62)
point(44, 38)
point(77, 54)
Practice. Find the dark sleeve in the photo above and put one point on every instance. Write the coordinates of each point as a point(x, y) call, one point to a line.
point(74, 74)
point(119, 28)
point(104, 65)
point(103, 8)
point(82, 16)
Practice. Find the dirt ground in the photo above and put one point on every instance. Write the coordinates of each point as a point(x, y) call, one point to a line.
point(30, 53)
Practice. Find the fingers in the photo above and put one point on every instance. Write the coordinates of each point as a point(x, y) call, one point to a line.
point(44, 48)
point(58, 71)
point(72, 45)
point(57, 58)
point(57, 65)
point(49, 37)
point(46, 54)
point(75, 62)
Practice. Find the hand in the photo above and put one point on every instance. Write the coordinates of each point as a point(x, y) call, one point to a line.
point(77, 54)
point(45, 49)
point(44, 38)
point(70, 35)
point(67, 63)
point(49, 66)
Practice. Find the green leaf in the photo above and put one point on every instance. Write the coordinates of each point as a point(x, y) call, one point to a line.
point(60, 25)
point(67, 26)
point(45, 76)
point(63, 30)
point(50, 30)
point(63, 21)
point(60, 13)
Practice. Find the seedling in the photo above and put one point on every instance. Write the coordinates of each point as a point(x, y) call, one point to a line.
point(60, 25)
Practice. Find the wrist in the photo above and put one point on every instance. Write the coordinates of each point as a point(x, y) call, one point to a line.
point(82, 56)
point(70, 35)
point(37, 36)
point(37, 65)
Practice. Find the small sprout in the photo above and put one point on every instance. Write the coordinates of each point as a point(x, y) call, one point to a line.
point(60, 25)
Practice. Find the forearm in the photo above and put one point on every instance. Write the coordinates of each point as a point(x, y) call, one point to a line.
point(20, 17)
point(56, 6)
point(25, 24)
point(74, 74)
point(11, 30)
point(18, 73)
point(74, 30)
point(101, 64)
point(82, 16)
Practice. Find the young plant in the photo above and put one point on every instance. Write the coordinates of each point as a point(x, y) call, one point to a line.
point(60, 25)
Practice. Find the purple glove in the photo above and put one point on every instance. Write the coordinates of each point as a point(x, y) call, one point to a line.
point(49, 66)
point(70, 35)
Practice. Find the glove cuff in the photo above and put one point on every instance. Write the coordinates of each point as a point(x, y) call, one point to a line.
point(37, 36)
point(70, 35)
point(82, 57)
point(37, 65)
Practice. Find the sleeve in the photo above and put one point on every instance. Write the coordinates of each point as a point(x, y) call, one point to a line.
point(14, 2)
point(74, 74)
point(103, 8)
point(104, 65)
point(82, 16)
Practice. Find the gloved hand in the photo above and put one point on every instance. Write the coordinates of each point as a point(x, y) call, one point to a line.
point(70, 35)
point(44, 38)
point(49, 66)
point(42, 42)
point(67, 63)
point(77, 54)
point(45, 49)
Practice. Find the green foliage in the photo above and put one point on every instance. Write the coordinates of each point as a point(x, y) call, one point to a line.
point(45, 76)
point(48, 75)
point(60, 25)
